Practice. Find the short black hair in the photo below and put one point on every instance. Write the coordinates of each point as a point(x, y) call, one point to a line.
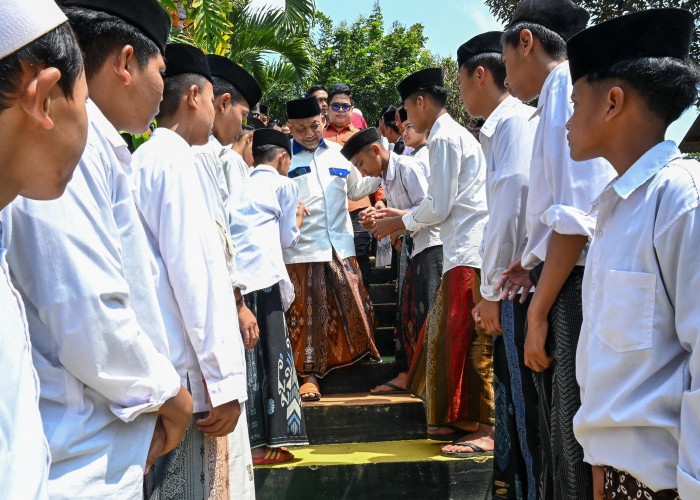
point(552, 42)
point(667, 85)
point(266, 153)
point(222, 86)
point(435, 92)
point(315, 88)
point(56, 49)
point(173, 89)
point(331, 95)
point(492, 62)
point(99, 34)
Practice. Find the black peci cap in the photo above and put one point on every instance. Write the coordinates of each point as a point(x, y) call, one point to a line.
point(303, 108)
point(647, 33)
point(183, 59)
point(254, 122)
point(563, 17)
point(359, 141)
point(271, 137)
point(420, 80)
point(480, 44)
point(146, 15)
point(390, 115)
point(226, 69)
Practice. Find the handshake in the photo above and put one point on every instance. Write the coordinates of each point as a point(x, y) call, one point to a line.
point(384, 222)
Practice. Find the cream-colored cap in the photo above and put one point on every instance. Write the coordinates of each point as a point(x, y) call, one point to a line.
point(23, 21)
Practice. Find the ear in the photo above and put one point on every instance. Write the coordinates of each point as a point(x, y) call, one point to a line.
point(192, 97)
point(480, 75)
point(375, 149)
point(249, 138)
point(36, 99)
point(420, 102)
point(527, 42)
point(323, 121)
point(616, 103)
point(121, 62)
point(222, 102)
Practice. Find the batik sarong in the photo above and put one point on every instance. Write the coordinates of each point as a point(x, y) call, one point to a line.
point(275, 416)
point(563, 473)
point(331, 321)
point(516, 455)
point(620, 485)
point(452, 367)
point(197, 468)
point(420, 284)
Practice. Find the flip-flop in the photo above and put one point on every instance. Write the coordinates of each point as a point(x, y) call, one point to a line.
point(310, 392)
point(477, 450)
point(274, 456)
point(395, 389)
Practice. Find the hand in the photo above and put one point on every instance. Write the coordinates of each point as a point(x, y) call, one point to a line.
point(171, 424)
point(221, 420)
point(515, 279)
point(487, 314)
point(536, 357)
point(391, 212)
point(396, 241)
point(380, 205)
point(302, 211)
point(249, 326)
point(385, 226)
point(598, 482)
point(367, 218)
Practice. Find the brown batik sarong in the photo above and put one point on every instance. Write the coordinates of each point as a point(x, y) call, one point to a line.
point(620, 485)
point(452, 368)
point(331, 321)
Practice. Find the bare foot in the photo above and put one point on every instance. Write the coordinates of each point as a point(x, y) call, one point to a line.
point(401, 381)
point(483, 438)
point(466, 426)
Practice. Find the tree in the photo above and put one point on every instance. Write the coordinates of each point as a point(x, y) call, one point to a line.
point(370, 59)
point(602, 10)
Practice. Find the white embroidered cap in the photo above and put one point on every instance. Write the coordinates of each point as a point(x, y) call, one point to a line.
point(26, 20)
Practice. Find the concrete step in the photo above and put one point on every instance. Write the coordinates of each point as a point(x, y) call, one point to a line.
point(384, 470)
point(384, 340)
point(380, 275)
point(384, 314)
point(382, 293)
point(360, 377)
point(361, 418)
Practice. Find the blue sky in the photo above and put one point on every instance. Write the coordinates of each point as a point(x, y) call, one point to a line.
point(448, 24)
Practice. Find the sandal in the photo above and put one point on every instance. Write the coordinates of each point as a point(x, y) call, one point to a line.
point(455, 435)
point(274, 456)
point(477, 450)
point(310, 392)
point(394, 389)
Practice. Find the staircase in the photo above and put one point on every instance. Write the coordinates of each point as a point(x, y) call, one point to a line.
point(371, 447)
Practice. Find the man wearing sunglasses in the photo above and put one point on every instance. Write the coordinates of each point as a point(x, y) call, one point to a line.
point(339, 130)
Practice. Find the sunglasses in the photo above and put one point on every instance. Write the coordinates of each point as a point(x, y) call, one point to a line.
point(341, 107)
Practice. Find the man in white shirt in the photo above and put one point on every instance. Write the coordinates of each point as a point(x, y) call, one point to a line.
point(506, 137)
point(194, 288)
point(265, 220)
point(637, 359)
point(238, 163)
point(37, 159)
point(453, 366)
point(322, 265)
point(235, 92)
point(558, 227)
point(108, 387)
point(405, 182)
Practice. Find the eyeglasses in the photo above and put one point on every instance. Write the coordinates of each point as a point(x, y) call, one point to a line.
point(341, 107)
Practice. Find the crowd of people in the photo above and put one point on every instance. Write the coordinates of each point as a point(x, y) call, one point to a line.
point(167, 311)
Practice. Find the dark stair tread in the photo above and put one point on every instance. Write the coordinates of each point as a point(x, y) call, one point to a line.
point(359, 377)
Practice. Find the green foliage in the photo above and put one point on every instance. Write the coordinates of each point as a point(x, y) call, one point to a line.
point(602, 10)
point(371, 59)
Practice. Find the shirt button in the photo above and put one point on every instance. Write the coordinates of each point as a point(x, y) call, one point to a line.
point(599, 234)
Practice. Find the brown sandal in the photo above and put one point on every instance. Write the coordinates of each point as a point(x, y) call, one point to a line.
point(310, 392)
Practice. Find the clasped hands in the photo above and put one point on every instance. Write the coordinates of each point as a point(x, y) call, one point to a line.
point(383, 222)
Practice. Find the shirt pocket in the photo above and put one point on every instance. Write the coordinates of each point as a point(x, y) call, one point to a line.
point(626, 318)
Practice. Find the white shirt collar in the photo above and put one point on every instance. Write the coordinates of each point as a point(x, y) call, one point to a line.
point(111, 134)
point(265, 168)
point(171, 136)
point(501, 111)
point(645, 168)
point(561, 71)
point(443, 121)
point(391, 168)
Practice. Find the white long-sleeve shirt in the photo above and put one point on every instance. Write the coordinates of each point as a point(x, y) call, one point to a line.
point(263, 223)
point(507, 138)
point(326, 180)
point(81, 263)
point(194, 290)
point(24, 452)
point(406, 185)
point(638, 357)
point(456, 194)
point(561, 190)
point(236, 171)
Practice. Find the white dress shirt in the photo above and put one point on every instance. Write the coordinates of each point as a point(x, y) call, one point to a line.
point(506, 137)
point(24, 452)
point(561, 190)
point(406, 184)
point(236, 171)
point(456, 194)
point(638, 357)
point(326, 180)
point(263, 223)
point(81, 263)
point(194, 290)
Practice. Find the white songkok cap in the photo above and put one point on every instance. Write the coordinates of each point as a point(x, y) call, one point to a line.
point(26, 20)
